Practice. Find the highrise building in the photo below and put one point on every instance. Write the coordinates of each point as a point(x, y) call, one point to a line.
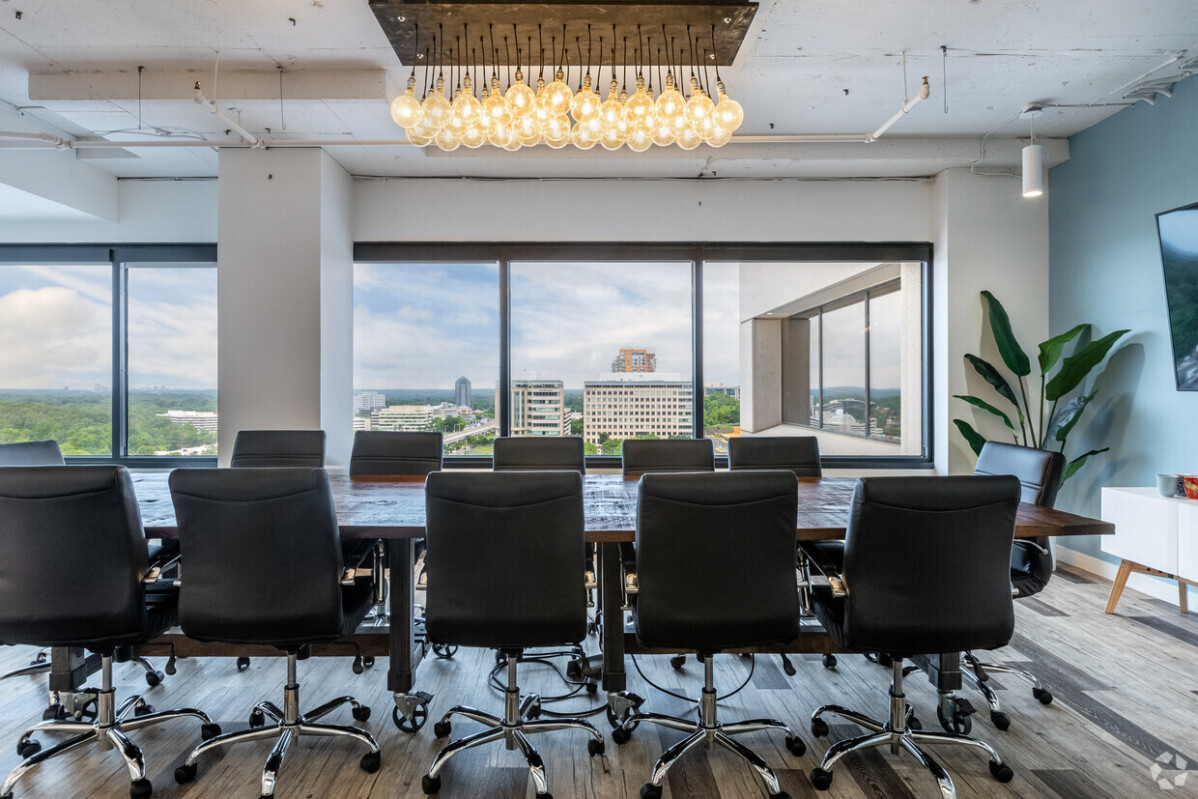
point(369, 401)
point(461, 392)
point(631, 405)
point(539, 408)
point(633, 359)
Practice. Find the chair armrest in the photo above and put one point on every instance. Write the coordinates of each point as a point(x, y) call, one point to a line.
point(836, 582)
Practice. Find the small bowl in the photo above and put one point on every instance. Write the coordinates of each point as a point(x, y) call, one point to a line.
point(1169, 485)
point(1190, 484)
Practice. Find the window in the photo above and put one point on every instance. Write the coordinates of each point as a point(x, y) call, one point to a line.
point(610, 342)
point(110, 351)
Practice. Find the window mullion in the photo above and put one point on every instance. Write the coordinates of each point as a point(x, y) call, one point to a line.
point(120, 357)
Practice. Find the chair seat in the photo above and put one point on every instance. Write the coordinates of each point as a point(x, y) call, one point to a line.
point(1031, 568)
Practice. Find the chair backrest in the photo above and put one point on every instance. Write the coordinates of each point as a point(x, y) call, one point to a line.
point(800, 454)
point(716, 559)
point(262, 553)
point(278, 448)
point(539, 453)
point(72, 556)
point(649, 455)
point(505, 559)
point(1039, 471)
point(31, 453)
point(395, 453)
point(926, 564)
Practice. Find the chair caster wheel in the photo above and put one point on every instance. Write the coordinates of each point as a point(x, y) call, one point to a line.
point(361, 713)
point(141, 789)
point(243, 663)
point(1000, 720)
point(257, 718)
point(153, 678)
point(819, 728)
point(28, 748)
point(1001, 771)
point(596, 747)
point(143, 709)
point(621, 736)
point(447, 651)
point(209, 731)
point(185, 773)
point(358, 667)
point(676, 663)
point(1043, 695)
point(370, 762)
point(829, 662)
point(961, 721)
point(650, 791)
point(430, 785)
point(368, 661)
point(412, 725)
point(822, 780)
point(442, 729)
point(796, 746)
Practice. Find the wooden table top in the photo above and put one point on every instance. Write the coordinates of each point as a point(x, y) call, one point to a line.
point(394, 508)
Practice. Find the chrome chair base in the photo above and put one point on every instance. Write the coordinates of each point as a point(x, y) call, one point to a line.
point(513, 729)
point(290, 724)
point(897, 733)
point(976, 675)
point(710, 733)
point(109, 728)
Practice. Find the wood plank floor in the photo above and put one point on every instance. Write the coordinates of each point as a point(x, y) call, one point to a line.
point(1126, 689)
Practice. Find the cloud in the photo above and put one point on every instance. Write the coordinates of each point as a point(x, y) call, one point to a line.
point(53, 337)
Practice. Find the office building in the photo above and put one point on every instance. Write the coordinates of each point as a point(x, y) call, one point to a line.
point(402, 417)
point(200, 420)
point(461, 392)
point(721, 388)
point(632, 359)
point(367, 401)
point(634, 404)
point(539, 408)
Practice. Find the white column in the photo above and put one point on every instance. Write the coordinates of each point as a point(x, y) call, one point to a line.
point(285, 295)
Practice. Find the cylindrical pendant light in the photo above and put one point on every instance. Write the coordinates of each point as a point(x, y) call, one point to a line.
point(1033, 170)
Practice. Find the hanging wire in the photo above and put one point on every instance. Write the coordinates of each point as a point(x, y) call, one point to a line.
point(640, 45)
point(494, 52)
point(282, 119)
point(691, 44)
point(140, 69)
point(649, 61)
point(706, 78)
point(578, 43)
point(589, 57)
point(425, 88)
point(415, 50)
point(660, 82)
point(507, 57)
point(541, 47)
point(624, 75)
point(718, 79)
point(944, 75)
point(441, 52)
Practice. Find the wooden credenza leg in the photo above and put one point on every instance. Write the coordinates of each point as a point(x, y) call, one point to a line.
point(1182, 599)
point(1120, 582)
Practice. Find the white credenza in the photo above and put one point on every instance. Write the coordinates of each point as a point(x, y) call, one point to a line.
point(1153, 535)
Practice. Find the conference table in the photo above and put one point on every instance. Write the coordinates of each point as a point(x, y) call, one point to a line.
point(392, 509)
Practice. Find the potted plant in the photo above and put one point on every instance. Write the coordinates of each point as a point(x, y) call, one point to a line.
point(1051, 430)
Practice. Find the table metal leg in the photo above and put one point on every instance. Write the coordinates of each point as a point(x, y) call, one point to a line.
point(611, 598)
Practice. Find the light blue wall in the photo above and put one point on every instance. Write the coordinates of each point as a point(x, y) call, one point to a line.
point(1105, 268)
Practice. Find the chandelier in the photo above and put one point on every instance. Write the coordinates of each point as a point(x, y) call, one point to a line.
point(662, 81)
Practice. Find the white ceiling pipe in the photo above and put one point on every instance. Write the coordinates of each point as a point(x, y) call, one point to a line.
point(48, 138)
point(253, 140)
point(924, 91)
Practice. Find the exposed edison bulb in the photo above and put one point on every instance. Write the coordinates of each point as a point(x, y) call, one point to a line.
point(557, 97)
point(639, 107)
point(501, 135)
point(688, 138)
point(612, 110)
point(556, 133)
point(586, 103)
point(421, 134)
point(671, 105)
point(519, 98)
point(728, 112)
point(495, 107)
point(436, 108)
point(528, 132)
point(580, 138)
point(513, 145)
point(719, 136)
point(542, 118)
point(663, 132)
point(640, 139)
point(699, 111)
point(591, 128)
point(447, 140)
point(405, 109)
point(465, 110)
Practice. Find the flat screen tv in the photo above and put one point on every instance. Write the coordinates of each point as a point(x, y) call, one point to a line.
point(1178, 231)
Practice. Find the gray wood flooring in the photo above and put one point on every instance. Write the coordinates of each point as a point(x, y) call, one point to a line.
point(1126, 689)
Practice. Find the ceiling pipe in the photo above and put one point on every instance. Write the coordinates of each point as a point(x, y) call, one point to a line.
point(48, 138)
point(924, 91)
point(253, 140)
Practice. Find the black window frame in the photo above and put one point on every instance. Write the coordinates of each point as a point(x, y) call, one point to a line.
point(503, 253)
point(120, 258)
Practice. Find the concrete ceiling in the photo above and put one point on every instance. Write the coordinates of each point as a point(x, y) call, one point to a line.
point(322, 70)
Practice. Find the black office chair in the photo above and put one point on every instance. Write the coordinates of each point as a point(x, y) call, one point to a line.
point(715, 557)
point(278, 448)
point(294, 597)
point(651, 456)
point(386, 453)
point(539, 453)
point(81, 521)
point(1039, 472)
point(799, 454)
point(925, 571)
point(505, 551)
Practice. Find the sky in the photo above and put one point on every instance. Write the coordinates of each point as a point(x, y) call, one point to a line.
point(56, 327)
